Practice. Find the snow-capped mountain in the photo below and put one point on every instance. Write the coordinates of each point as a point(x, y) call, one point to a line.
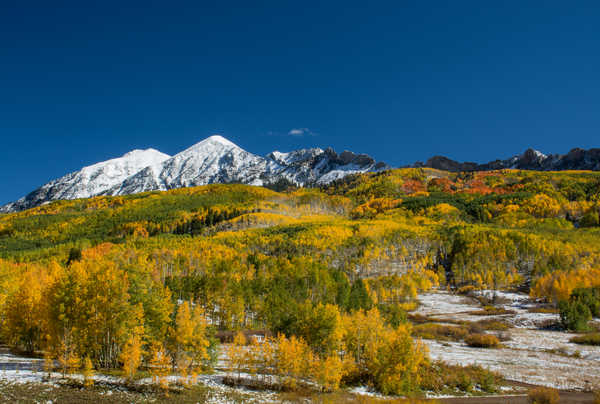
point(317, 166)
point(213, 160)
point(91, 180)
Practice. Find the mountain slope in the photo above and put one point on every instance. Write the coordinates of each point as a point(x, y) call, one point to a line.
point(576, 159)
point(213, 160)
point(317, 166)
point(91, 180)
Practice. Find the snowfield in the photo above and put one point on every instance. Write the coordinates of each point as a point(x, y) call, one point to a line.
point(20, 370)
point(445, 306)
point(532, 355)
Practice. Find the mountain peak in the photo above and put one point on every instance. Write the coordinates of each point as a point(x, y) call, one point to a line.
point(533, 154)
point(209, 147)
point(145, 152)
point(216, 139)
point(295, 156)
point(530, 159)
point(212, 160)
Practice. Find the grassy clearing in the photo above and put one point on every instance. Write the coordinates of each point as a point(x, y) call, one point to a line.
point(563, 351)
point(543, 395)
point(587, 339)
point(459, 331)
point(491, 311)
point(67, 393)
point(482, 341)
point(342, 397)
point(440, 332)
point(442, 378)
point(73, 393)
point(492, 325)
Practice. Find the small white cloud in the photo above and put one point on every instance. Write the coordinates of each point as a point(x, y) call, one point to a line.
point(301, 132)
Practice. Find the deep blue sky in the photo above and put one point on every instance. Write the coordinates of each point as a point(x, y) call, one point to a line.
point(85, 81)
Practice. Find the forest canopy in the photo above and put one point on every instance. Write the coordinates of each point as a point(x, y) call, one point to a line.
point(123, 281)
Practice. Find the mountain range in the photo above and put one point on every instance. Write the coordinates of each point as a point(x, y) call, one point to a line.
point(217, 160)
point(213, 160)
point(576, 159)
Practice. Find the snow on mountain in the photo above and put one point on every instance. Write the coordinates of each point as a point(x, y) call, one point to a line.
point(297, 156)
point(213, 160)
point(317, 166)
point(91, 180)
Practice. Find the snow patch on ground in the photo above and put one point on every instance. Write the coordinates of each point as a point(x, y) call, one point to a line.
point(365, 391)
point(20, 370)
point(531, 355)
point(446, 306)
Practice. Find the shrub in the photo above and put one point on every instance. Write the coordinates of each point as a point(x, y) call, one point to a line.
point(574, 315)
point(491, 311)
point(597, 396)
point(543, 395)
point(475, 327)
point(465, 290)
point(583, 303)
point(482, 341)
point(441, 377)
point(543, 310)
point(589, 297)
point(590, 219)
point(440, 332)
point(587, 339)
point(494, 325)
point(418, 318)
point(393, 314)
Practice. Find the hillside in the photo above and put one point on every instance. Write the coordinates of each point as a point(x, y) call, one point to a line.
point(536, 223)
point(302, 262)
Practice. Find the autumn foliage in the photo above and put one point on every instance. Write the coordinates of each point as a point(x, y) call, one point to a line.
point(144, 282)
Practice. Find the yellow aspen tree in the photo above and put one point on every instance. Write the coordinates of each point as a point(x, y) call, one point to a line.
point(183, 366)
point(159, 367)
point(188, 340)
point(328, 372)
point(132, 352)
point(182, 334)
point(199, 343)
point(88, 372)
point(252, 357)
point(48, 363)
point(22, 325)
point(73, 362)
point(68, 359)
point(293, 359)
point(131, 356)
point(268, 357)
point(236, 353)
point(398, 362)
point(194, 375)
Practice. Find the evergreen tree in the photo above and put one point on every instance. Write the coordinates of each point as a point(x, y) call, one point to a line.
point(359, 298)
point(74, 255)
